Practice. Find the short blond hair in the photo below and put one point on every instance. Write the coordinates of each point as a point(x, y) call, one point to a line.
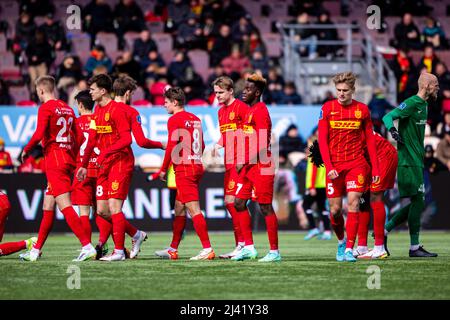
point(345, 77)
point(224, 82)
point(46, 82)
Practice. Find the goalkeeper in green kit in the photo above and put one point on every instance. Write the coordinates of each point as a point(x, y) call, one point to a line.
point(412, 115)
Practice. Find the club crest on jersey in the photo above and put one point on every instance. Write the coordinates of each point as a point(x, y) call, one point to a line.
point(360, 179)
point(231, 117)
point(107, 116)
point(115, 185)
point(231, 185)
point(358, 114)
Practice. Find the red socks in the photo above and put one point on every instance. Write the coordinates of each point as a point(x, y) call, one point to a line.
point(86, 226)
point(74, 222)
point(104, 228)
point(11, 247)
point(379, 219)
point(238, 237)
point(178, 225)
point(363, 228)
point(272, 230)
point(246, 226)
point(44, 228)
point(202, 230)
point(130, 229)
point(118, 226)
point(3, 215)
point(352, 228)
point(338, 226)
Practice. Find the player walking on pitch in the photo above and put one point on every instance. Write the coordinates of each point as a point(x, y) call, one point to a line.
point(412, 115)
point(231, 117)
point(342, 123)
point(54, 129)
point(184, 150)
point(256, 171)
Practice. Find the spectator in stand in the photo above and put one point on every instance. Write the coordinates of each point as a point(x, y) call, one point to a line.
point(192, 85)
point(5, 96)
point(443, 150)
point(177, 68)
point(254, 43)
point(210, 30)
point(306, 35)
point(291, 141)
point(241, 30)
point(405, 73)
point(275, 84)
point(25, 33)
point(98, 58)
point(430, 162)
point(97, 17)
point(154, 66)
point(39, 8)
point(407, 34)
point(378, 106)
point(290, 95)
point(4, 26)
point(444, 125)
point(443, 76)
point(234, 64)
point(55, 32)
point(69, 72)
point(157, 90)
point(40, 56)
point(214, 10)
point(190, 34)
point(434, 35)
point(260, 62)
point(217, 72)
point(128, 16)
point(80, 86)
point(221, 47)
point(125, 64)
point(329, 34)
point(5, 157)
point(178, 11)
point(428, 60)
point(312, 7)
point(143, 45)
point(232, 11)
point(34, 163)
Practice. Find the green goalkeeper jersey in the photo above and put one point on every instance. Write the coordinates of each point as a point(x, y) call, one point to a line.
point(412, 115)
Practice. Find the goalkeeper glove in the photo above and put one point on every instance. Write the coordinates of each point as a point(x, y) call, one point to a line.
point(395, 135)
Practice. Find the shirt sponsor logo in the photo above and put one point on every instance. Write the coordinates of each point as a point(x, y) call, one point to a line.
point(345, 124)
point(422, 122)
point(352, 185)
point(248, 129)
point(228, 127)
point(402, 106)
point(195, 157)
point(104, 129)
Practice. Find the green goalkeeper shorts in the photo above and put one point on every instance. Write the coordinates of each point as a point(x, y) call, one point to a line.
point(410, 181)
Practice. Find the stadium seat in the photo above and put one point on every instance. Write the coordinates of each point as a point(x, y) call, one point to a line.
point(164, 42)
point(279, 10)
point(200, 61)
point(273, 44)
point(334, 7)
point(253, 8)
point(8, 70)
point(155, 26)
point(444, 55)
point(108, 40)
point(263, 24)
point(19, 94)
point(2, 43)
point(10, 8)
point(81, 42)
point(138, 94)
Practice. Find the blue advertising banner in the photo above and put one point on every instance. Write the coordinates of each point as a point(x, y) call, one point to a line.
point(17, 124)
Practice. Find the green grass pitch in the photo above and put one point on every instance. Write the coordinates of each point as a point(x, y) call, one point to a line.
point(308, 271)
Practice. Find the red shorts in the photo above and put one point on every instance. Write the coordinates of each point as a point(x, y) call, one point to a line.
point(114, 178)
point(5, 206)
point(187, 186)
point(354, 176)
point(83, 192)
point(255, 183)
point(230, 182)
point(388, 169)
point(59, 179)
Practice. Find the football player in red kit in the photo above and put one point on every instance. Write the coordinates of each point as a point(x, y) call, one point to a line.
point(231, 117)
point(257, 171)
point(184, 150)
point(387, 161)
point(10, 247)
point(55, 130)
point(342, 122)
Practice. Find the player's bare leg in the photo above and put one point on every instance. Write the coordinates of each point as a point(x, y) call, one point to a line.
point(178, 225)
point(272, 232)
point(238, 237)
point(199, 222)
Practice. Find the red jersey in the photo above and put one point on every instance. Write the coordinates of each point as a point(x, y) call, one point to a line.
point(257, 129)
point(5, 159)
point(110, 131)
point(384, 148)
point(340, 130)
point(55, 130)
point(231, 119)
point(82, 125)
point(4, 202)
point(185, 144)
